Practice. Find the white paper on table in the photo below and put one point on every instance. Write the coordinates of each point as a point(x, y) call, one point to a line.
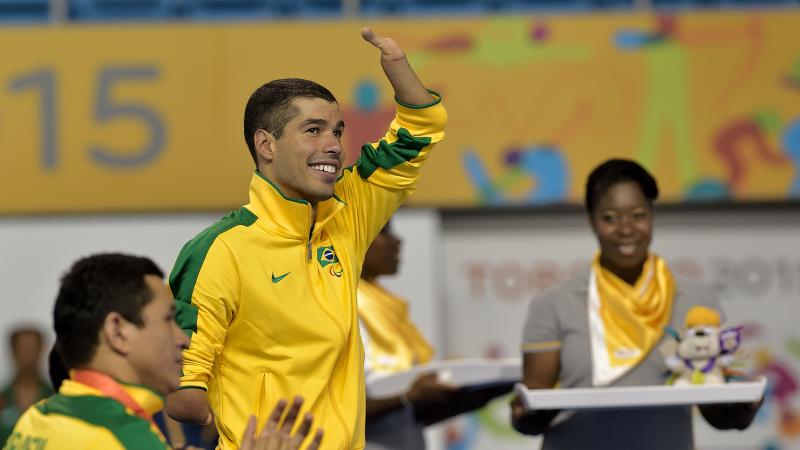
point(456, 372)
point(638, 396)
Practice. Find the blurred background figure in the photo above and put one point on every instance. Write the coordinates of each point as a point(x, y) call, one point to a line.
point(393, 344)
point(27, 384)
point(601, 327)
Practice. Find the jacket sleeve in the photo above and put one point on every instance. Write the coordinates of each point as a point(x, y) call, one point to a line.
point(205, 285)
point(387, 170)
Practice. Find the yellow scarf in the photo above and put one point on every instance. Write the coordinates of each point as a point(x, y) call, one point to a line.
point(627, 321)
point(395, 344)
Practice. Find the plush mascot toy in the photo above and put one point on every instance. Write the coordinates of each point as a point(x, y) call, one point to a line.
point(704, 352)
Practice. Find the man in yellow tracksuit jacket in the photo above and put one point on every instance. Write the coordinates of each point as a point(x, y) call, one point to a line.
point(115, 330)
point(118, 352)
point(268, 293)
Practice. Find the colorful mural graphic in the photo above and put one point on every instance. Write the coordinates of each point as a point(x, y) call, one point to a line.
point(667, 112)
point(710, 101)
point(783, 391)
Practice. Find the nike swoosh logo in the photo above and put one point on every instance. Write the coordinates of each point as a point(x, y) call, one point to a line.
point(277, 279)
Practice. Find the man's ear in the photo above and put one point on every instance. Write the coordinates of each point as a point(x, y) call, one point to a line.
point(117, 333)
point(265, 145)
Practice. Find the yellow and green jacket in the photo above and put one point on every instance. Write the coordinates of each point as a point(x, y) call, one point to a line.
point(271, 308)
point(80, 417)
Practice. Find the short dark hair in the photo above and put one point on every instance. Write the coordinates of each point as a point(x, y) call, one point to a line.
point(94, 287)
point(56, 369)
point(270, 109)
point(13, 338)
point(615, 171)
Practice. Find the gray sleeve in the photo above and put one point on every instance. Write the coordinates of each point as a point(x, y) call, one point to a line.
point(542, 332)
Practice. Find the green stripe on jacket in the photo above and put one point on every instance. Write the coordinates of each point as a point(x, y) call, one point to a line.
point(190, 260)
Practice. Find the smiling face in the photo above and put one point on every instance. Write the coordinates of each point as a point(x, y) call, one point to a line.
point(307, 159)
point(622, 220)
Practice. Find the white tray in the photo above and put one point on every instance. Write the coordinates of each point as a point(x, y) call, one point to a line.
point(457, 372)
point(621, 397)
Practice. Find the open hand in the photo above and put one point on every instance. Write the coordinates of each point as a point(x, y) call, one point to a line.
point(272, 437)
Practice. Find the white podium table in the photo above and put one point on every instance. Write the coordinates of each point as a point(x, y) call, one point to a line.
point(477, 372)
point(640, 396)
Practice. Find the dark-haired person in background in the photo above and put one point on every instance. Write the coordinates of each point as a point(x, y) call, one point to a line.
point(27, 385)
point(117, 338)
point(600, 327)
point(268, 294)
point(393, 344)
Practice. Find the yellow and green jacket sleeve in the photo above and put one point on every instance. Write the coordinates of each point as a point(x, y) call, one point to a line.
point(387, 171)
point(204, 283)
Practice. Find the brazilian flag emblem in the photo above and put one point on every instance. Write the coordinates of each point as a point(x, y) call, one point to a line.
point(326, 256)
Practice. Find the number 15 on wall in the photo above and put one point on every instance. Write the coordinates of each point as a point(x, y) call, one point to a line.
point(107, 109)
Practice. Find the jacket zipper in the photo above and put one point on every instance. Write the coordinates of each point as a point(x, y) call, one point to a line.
point(336, 408)
point(311, 216)
point(309, 265)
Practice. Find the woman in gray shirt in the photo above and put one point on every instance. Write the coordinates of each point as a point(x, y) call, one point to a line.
point(600, 327)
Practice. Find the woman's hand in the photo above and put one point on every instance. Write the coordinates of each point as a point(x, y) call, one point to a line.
point(531, 422)
point(730, 416)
